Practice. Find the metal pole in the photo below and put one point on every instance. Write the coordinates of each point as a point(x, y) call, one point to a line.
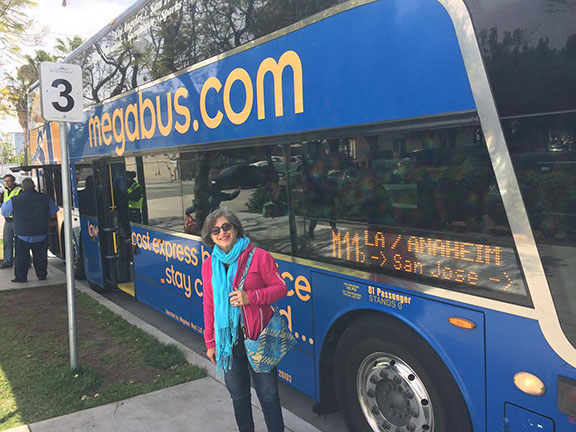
point(69, 248)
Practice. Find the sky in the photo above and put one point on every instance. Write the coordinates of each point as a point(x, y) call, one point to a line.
point(80, 17)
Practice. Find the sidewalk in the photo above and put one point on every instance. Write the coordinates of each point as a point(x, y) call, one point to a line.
point(55, 276)
point(203, 405)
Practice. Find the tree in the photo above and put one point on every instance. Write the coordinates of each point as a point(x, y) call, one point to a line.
point(166, 36)
point(15, 28)
point(13, 95)
point(64, 47)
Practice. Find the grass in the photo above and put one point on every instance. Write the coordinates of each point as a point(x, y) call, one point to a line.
point(117, 360)
point(1, 249)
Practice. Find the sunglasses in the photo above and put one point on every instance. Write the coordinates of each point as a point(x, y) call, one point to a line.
point(227, 226)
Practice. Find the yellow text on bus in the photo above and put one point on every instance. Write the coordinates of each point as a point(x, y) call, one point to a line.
point(143, 120)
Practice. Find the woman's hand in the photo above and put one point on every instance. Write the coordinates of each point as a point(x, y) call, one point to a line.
point(211, 354)
point(239, 298)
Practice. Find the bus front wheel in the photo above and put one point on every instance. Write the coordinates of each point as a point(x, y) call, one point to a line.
point(388, 378)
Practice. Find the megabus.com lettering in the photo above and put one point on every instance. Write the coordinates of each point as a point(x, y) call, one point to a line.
point(168, 112)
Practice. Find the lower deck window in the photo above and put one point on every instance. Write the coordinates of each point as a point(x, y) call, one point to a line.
point(419, 205)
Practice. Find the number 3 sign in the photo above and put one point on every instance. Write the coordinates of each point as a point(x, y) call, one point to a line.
point(61, 90)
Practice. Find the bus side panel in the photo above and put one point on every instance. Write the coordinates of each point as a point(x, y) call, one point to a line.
point(297, 305)
point(402, 61)
point(462, 351)
point(174, 306)
point(298, 367)
point(173, 262)
point(168, 277)
point(516, 344)
point(521, 420)
point(91, 250)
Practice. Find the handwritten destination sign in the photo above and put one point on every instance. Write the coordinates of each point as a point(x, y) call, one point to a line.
point(471, 265)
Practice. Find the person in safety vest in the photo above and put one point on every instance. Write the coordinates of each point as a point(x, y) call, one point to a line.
point(135, 198)
point(11, 189)
point(32, 212)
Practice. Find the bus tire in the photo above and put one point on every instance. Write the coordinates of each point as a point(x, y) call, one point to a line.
point(388, 378)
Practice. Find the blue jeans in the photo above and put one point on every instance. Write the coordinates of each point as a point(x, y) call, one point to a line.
point(266, 385)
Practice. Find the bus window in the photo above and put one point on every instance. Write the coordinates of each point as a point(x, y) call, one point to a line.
point(85, 187)
point(249, 181)
point(52, 183)
point(194, 182)
point(422, 205)
point(163, 191)
point(543, 151)
point(163, 37)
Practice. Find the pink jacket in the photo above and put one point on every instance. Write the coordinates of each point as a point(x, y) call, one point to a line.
point(264, 285)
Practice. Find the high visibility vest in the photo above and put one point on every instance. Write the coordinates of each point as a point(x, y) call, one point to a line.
point(137, 205)
point(9, 195)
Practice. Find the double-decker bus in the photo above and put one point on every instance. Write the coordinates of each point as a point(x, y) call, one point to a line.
point(410, 165)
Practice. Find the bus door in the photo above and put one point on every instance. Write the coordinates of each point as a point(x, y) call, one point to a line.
point(53, 187)
point(114, 232)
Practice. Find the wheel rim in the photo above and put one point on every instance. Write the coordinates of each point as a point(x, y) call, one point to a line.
point(392, 396)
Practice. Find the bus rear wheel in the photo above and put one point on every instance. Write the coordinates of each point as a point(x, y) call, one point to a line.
point(388, 378)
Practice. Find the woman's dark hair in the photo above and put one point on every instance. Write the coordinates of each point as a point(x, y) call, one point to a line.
point(211, 221)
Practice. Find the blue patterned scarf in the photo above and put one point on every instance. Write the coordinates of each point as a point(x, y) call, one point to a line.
point(226, 317)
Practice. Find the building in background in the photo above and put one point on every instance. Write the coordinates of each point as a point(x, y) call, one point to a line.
point(18, 142)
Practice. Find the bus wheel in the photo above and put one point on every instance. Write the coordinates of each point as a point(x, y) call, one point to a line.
point(388, 378)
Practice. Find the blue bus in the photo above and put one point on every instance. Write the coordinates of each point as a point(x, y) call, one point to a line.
point(410, 165)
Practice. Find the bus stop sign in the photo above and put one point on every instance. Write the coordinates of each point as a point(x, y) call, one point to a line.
point(61, 92)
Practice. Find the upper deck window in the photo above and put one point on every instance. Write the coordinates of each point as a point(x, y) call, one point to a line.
point(164, 37)
point(529, 50)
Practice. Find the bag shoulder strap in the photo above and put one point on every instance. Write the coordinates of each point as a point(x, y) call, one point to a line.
point(246, 268)
point(274, 306)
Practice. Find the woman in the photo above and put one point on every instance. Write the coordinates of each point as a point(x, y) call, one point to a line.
point(223, 306)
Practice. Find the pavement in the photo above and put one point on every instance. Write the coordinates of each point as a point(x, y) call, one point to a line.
point(203, 405)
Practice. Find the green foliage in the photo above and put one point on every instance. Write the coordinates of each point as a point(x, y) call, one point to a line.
point(258, 198)
point(13, 95)
point(15, 27)
point(196, 30)
point(268, 194)
point(65, 46)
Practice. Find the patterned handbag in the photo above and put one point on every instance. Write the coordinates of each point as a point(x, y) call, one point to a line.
point(274, 341)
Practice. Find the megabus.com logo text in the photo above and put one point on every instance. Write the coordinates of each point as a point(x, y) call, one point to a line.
point(140, 120)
